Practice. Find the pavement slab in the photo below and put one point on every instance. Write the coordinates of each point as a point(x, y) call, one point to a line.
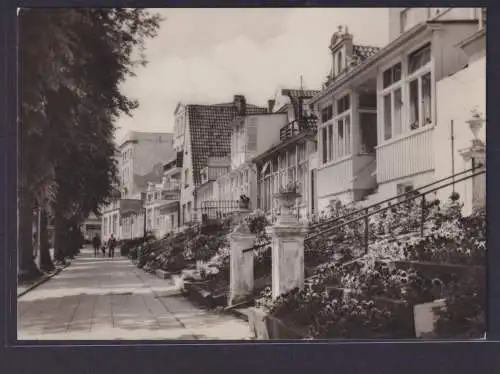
point(107, 299)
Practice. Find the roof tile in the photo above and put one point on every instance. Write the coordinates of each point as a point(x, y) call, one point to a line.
point(210, 130)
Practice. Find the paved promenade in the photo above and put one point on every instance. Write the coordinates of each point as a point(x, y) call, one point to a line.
point(102, 298)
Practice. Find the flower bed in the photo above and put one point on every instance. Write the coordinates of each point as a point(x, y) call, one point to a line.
point(373, 296)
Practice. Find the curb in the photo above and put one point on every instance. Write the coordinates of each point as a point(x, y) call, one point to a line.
point(43, 280)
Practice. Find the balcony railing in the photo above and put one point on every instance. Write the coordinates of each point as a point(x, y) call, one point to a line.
point(213, 209)
point(297, 126)
point(172, 186)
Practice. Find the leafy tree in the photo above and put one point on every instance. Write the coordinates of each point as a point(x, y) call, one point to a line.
point(70, 78)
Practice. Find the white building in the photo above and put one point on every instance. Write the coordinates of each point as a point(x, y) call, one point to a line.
point(202, 131)
point(140, 158)
point(251, 135)
point(378, 115)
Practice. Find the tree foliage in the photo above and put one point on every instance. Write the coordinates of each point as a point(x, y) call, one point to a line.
point(70, 78)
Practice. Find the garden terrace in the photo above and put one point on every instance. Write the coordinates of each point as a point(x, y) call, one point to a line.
point(401, 257)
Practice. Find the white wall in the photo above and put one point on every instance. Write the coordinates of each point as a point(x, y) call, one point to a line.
point(448, 57)
point(268, 130)
point(458, 95)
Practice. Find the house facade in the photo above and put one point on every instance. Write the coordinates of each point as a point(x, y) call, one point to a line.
point(139, 153)
point(378, 110)
point(251, 135)
point(201, 132)
point(211, 203)
point(460, 148)
point(171, 189)
point(92, 227)
point(140, 159)
point(291, 155)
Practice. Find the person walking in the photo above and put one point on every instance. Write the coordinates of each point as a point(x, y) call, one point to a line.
point(111, 246)
point(96, 243)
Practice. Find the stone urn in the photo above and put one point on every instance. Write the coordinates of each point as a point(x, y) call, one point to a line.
point(475, 123)
point(286, 202)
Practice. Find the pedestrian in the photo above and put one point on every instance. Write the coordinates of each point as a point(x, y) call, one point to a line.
point(111, 246)
point(96, 243)
point(103, 249)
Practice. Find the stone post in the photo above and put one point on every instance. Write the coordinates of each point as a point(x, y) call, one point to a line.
point(287, 247)
point(474, 158)
point(241, 280)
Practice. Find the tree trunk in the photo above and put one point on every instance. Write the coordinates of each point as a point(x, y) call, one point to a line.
point(46, 263)
point(27, 269)
point(60, 242)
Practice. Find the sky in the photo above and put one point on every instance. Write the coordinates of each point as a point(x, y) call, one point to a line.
point(205, 56)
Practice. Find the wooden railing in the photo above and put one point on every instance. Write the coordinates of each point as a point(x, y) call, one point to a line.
point(295, 127)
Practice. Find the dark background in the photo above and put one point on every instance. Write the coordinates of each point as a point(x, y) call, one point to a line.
point(219, 357)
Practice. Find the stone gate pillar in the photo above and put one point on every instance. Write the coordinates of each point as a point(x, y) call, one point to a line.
point(287, 237)
point(474, 158)
point(241, 279)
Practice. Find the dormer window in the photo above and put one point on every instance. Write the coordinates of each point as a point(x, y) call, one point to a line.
point(339, 62)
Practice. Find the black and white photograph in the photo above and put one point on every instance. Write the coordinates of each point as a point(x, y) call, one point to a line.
point(251, 174)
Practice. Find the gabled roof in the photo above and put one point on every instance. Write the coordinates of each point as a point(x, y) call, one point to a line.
point(210, 132)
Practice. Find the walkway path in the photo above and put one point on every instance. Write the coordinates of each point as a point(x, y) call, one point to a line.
point(102, 298)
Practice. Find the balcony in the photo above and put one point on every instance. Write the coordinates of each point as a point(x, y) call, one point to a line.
point(297, 126)
point(411, 154)
point(171, 186)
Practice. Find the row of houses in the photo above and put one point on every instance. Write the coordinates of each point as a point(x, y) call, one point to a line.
point(386, 120)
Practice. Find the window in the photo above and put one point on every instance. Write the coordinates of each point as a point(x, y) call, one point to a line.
point(327, 113)
point(420, 101)
point(330, 142)
point(398, 111)
point(186, 175)
point(343, 139)
point(339, 62)
point(189, 211)
point(336, 136)
point(392, 101)
point(426, 99)
point(392, 75)
point(387, 117)
point(343, 104)
point(419, 58)
point(324, 144)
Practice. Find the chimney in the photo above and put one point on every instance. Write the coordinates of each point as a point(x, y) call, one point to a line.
point(270, 105)
point(240, 104)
